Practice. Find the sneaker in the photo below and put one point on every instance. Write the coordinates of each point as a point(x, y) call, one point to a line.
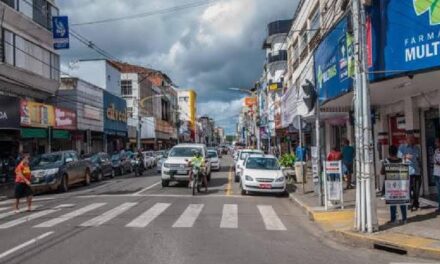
point(17, 211)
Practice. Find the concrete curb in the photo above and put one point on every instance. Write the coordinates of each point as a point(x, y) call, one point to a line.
point(395, 242)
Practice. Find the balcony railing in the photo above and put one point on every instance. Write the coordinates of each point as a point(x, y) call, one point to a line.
point(281, 56)
point(279, 27)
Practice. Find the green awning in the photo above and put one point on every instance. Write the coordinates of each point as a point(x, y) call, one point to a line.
point(60, 134)
point(33, 133)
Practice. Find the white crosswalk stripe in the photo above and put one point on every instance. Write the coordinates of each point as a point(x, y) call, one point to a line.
point(27, 218)
point(68, 216)
point(229, 216)
point(189, 216)
point(12, 212)
point(4, 209)
point(109, 215)
point(144, 219)
point(270, 218)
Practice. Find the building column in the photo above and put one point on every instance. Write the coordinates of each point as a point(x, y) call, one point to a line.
point(412, 118)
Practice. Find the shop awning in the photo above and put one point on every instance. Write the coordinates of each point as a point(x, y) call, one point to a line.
point(61, 134)
point(33, 133)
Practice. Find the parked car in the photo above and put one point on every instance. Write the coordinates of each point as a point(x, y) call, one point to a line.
point(242, 155)
point(215, 161)
point(161, 161)
point(262, 173)
point(152, 155)
point(149, 161)
point(121, 163)
point(175, 167)
point(59, 171)
point(101, 166)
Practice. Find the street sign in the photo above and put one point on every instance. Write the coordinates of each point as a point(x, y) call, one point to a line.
point(333, 183)
point(396, 183)
point(60, 28)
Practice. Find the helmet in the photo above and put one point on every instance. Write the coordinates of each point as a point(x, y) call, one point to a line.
point(196, 153)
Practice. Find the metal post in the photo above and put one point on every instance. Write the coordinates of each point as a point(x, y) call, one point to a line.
point(318, 149)
point(49, 139)
point(139, 131)
point(301, 147)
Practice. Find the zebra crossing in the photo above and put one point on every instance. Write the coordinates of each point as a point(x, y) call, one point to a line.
point(187, 218)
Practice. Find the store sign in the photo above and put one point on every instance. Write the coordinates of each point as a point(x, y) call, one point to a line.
point(250, 101)
point(397, 183)
point(33, 114)
point(334, 62)
point(65, 119)
point(410, 35)
point(333, 180)
point(60, 26)
point(9, 112)
point(115, 114)
point(289, 106)
point(92, 113)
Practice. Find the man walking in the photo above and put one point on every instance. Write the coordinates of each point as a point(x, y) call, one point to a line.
point(347, 161)
point(410, 154)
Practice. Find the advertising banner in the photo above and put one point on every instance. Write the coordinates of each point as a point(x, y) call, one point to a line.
point(9, 112)
point(60, 26)
point(289, 106)
point(250, 101)
point(34, 114)
point(65, 119)
point(397, 183)
point(334, 62)
point(409, 35)
point(333, 181)
point(115, 115)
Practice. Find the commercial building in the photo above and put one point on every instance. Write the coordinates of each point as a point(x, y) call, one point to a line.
point(29, 70)
point(187, 102)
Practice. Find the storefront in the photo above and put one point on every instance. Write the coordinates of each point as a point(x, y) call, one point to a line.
point(65, 125)
point(115, 122)
point(9, 126)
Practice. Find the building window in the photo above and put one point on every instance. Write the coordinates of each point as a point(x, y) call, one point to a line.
point(24, 54)
point(10, 3)
point(184, 99)
point(126, 88)
point(130, 111)
point(303, 40)
point(314, 24)
point(294, 53)
point(41, 11)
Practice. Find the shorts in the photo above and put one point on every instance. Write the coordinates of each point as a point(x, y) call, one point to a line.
point(22, 190)
point(348, 168)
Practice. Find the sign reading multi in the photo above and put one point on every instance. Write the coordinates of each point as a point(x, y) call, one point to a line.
point(409, 35)
point(334, 62)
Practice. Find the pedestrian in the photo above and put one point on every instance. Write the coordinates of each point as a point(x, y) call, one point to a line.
point(23, 183)
point(334, 154)
point(301, 153)
point(436, 172)
point(410, 154)
point(347, 161)
point(393, 158)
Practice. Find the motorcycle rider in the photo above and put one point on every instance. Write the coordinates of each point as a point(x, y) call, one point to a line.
point(198, 161)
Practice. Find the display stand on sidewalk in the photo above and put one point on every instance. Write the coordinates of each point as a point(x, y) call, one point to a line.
point(333, 183)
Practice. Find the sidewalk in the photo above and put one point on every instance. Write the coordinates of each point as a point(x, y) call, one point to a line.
point(419, 237)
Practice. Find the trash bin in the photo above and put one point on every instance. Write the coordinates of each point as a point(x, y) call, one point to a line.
point(300, 171)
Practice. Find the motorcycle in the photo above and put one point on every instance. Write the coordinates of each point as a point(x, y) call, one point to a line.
point(197, 179)
point(138, 166)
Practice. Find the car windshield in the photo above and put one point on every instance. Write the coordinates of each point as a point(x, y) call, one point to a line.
point(183, 152)
point(94, 158)
point(46, 159)
point(115, 157)
point(212, 154)
point(243, 155)
point(262, 164)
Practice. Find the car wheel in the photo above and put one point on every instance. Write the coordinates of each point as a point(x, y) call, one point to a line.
point(64, 185)
point(237, 179)
point(113, 174)
point(100, 176)
point(243, 192)
point(87, 178)
point(121, 171)
point(165, 183)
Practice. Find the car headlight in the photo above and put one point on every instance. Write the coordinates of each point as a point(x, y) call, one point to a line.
point(280, 179)
point(51, 171)
point(249, 178)
point(165, 165)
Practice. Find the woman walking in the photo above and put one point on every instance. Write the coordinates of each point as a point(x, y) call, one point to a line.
point(23, 183)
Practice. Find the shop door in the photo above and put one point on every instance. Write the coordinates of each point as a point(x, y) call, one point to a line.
point(432, 131)
point(397, 130)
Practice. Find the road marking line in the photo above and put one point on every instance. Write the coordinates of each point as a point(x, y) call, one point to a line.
point(228, 189)
point(164, 195)
point(11, 201)
point(6, 214)
point(27, 218)
point(189, 216)
point(109, 215)
point(61, 206)
point(147, 217)
point(4, 209)
point(146, 189)
point(270, 218)
point(68, 216)
point(229, 216)
point(28, 243)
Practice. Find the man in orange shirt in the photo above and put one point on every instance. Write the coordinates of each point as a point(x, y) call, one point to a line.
point(23, 183)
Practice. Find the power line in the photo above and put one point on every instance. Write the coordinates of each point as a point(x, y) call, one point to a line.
point(150, 13)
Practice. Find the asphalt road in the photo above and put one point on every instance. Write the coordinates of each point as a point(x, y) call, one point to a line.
point(135, 220)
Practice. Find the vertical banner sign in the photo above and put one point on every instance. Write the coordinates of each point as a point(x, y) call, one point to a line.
point(333, 182)
point(397, 183)
point(60, 28)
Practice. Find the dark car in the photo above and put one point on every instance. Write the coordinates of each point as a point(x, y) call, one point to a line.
point(121, 163)
point(101, 166)
point(59, 171)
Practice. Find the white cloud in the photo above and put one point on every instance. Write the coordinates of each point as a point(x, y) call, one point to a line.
point(224, 113)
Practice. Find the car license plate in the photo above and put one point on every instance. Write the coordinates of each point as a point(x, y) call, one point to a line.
point(265, 186)
point(182, 172)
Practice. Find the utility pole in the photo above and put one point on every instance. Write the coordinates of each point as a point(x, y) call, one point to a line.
point(366, 214)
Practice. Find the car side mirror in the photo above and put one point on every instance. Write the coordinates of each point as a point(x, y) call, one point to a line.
point(69, 160)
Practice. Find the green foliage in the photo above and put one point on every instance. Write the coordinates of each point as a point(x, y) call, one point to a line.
point(287, 160)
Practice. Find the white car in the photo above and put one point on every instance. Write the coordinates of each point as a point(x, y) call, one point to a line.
point(215, 161)
point(242, 155)
point(148, 160)
point(151, 155)
point(161, 161)
point(175, 167)
point(262, 173)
